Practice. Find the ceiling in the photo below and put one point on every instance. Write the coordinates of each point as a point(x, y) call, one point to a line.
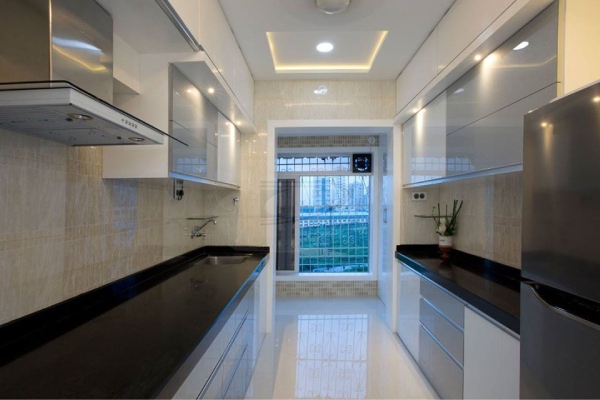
point(373, 39)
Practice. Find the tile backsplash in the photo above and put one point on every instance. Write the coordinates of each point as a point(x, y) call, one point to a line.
point(64, 230)
point(489, 224)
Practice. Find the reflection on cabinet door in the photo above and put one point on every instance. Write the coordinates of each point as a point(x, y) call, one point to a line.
point(443, 372)
point(229, 146)
point(491, 360)
point(408, 310)
point(194, 120)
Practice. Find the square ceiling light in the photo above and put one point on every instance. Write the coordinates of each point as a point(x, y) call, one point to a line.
point(353, 52)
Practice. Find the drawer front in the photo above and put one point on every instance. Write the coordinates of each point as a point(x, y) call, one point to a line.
point(446, 333)
point(446, 304)
point(444, 374)
point(233, 356)
point(239, 382)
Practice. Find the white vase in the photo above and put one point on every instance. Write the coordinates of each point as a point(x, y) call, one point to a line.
point(445, 242)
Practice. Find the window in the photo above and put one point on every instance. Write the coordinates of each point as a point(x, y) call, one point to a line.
point(324, 215)
point(334, 223)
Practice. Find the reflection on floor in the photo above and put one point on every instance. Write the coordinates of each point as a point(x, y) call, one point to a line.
point(334, 347)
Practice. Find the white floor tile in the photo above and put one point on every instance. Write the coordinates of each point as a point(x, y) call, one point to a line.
point(335, 348)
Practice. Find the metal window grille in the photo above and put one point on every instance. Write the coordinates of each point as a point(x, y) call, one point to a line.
point(334, 223)
point(313, 164)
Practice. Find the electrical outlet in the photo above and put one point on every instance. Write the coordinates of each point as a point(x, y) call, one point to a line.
point(419, 196)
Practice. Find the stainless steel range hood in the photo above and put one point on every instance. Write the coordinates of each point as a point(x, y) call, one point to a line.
point(56, 75)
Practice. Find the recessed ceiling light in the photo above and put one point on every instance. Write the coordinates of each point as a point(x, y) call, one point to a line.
point(521, 46)
point(189, 90)
point(459, 90)
point(211, 90)
point(136, 139)
point(478, 57)
point(544, 124)
point(415, 110)
point(596, 99)
point(324, 47)
point(238, 123)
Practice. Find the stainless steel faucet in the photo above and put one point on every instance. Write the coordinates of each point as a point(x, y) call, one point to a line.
point(196, 229)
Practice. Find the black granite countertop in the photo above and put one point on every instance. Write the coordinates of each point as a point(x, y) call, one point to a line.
point(491, 287)
point(128, 338)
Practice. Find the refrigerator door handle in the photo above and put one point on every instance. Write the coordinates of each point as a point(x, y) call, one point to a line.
point(562, 311)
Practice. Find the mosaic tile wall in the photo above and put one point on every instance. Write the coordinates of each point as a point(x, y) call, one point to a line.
point(489, 224)
point(288, 142)
point(323, 288)
point(64, 230)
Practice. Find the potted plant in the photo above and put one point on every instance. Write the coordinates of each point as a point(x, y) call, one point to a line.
point(445, 225)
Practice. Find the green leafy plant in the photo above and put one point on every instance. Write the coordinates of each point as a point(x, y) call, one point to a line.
point(445, 225)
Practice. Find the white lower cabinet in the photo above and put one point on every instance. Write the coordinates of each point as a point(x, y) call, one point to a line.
point(408, 309)
point(491, 360)
point(462, 354)
point(225, 369)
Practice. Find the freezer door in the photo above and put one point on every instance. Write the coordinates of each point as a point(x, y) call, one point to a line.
point(560, 345)
point(561, 193)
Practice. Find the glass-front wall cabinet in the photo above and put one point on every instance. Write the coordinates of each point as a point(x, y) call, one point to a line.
point(476, 124)
point(213, 142)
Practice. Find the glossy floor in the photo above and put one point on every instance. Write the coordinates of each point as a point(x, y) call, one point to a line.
point(335, 347)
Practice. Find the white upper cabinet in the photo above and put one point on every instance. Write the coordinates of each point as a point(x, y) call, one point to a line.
point(219, 43)
point(465, 20)
point(190, 14)
point(229, 146)
point(244, 83)
point(418, 73)
point(469, 26)
point(203, 20)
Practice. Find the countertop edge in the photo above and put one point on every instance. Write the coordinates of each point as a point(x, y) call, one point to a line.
point(172, 384)
point(46, 324)
point(502, 317)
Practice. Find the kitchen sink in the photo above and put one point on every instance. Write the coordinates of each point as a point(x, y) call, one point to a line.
point(222, 260)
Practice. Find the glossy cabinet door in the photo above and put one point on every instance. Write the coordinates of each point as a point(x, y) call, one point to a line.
point(465, 20)
point(408, 309)
point(194, 120)
point(424, 146)
point(482, 113)
point(421, 70)
point(229, 147)
point(491, 366)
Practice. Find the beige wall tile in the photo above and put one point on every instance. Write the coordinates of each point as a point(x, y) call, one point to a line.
point(289, 100)
point(489, 224)
point(64, 230)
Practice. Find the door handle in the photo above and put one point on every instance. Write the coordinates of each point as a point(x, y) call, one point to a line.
point(574, 308)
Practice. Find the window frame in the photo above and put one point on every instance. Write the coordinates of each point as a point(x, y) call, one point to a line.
point(373, 214)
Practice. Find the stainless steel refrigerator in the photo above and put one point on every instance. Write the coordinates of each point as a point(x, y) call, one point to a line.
point(560, 299)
